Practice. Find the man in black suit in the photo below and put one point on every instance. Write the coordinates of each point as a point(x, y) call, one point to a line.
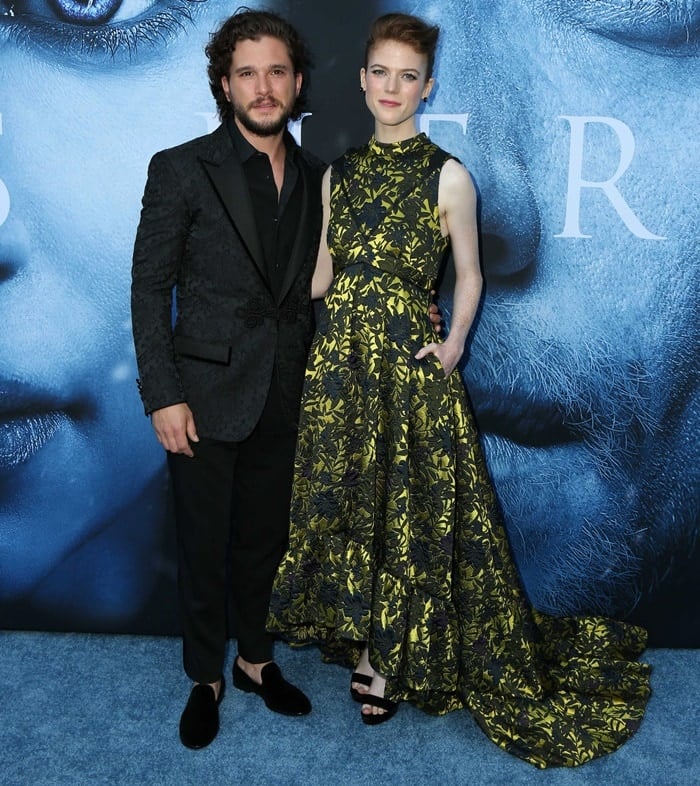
point(230, 222)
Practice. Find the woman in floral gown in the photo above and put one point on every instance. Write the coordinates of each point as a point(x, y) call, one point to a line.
point(398, 562)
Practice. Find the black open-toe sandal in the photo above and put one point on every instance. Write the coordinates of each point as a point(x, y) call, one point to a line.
point(363, 679)
point(389, 708)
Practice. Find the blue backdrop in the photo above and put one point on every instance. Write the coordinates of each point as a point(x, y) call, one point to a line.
point(578, 122)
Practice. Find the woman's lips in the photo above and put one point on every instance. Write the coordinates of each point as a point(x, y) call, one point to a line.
point(22, 436)
point(28, 420)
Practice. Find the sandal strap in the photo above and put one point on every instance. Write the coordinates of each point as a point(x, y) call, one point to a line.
point(363, 679)
point(378, 701)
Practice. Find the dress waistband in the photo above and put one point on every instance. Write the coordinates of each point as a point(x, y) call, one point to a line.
point(417, 281)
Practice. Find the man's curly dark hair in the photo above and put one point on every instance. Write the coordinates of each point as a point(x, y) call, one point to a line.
point(246, 24)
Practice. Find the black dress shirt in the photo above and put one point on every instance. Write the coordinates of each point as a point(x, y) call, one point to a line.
point(276, 215)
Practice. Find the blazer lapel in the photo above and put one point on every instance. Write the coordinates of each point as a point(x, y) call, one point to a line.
point(228, 179)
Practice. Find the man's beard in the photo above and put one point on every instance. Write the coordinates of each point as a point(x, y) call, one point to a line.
point(271, 127)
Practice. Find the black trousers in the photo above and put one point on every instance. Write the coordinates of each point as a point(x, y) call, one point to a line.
point(232, 517)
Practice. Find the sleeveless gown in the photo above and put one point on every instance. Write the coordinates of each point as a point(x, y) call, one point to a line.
point(396, 538)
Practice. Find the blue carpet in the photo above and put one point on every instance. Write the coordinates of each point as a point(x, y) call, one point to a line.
point(86, 709)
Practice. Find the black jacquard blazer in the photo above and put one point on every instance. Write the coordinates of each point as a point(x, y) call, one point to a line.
point(197, 237)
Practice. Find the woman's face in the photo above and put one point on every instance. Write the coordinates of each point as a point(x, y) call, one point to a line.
point(87, 95)
point(394, 83)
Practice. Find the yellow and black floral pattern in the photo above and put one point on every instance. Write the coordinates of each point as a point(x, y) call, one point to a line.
point(396, 538)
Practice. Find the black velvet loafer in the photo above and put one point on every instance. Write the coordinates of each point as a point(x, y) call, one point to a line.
point(278, 694)
point(199, 723)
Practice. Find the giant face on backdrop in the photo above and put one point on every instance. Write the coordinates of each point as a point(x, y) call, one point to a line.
point(584, 364)
point(583, 370)
point(87, 93)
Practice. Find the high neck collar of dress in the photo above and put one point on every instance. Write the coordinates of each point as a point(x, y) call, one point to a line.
point(409, 145)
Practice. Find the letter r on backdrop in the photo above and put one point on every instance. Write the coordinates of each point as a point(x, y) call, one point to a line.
point(577, 182)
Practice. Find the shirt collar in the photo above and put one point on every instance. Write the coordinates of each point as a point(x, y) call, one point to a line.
point(245, 150)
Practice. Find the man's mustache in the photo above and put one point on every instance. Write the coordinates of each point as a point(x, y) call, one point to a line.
point(264, 101)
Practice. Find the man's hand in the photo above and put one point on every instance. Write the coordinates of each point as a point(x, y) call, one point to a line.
point(434, 315)
point(174, 427)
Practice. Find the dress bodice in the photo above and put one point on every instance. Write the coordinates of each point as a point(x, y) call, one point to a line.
point(384, 209)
